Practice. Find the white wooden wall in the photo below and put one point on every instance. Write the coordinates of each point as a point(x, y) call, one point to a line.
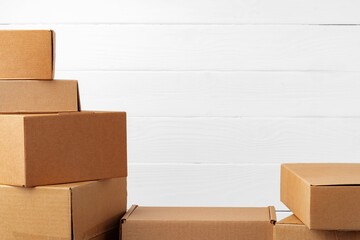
point(218, 93)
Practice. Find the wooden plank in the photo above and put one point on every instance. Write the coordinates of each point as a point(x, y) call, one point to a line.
point(228, 94)
point(243, 140)
point(205, 185)
point(186, 11)
point(205, 47)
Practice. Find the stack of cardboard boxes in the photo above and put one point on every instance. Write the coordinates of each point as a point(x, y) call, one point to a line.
point(325, 200)
point(62, 171)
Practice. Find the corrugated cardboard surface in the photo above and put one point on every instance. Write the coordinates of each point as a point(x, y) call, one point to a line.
point(79, 211)
point(27, 54)
point(323, 196)
point(167, 223)
point(33, 96)
point(109, 207)
point(295, 194)
point(323, 174)
point(292, 228)
point(42, 149)
point(12, 152)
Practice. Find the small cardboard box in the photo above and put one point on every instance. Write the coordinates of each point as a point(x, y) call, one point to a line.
point(291, 228)
point(27, 54)
point(43, 149)
point(181, 223)
point(75, 211)
point(323, 196)
point(31, 96)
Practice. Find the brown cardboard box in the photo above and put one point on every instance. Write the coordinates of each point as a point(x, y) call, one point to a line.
point(31, 96)
point(323, 196)
point(27, 54)
point(292, 228)
point(76, 211)
point(169, 223)
point(42, 149)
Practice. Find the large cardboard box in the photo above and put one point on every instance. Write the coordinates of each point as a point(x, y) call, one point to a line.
point(31, 96)
point(76, 211)
point(181, 223)
point(27, 54)
point(323, 196)
point(43, 149)
point(291, 228)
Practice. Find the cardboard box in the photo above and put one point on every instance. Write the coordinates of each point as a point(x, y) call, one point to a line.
point(292, 228)
point(43, 149)
point(76, 211)
point(31, 96)
point(181, 223)
point(27, 54)
point(323, 196)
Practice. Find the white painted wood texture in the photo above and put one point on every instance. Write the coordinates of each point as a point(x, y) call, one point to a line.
point(185, 11)
point(243, 140)
point(220, 94)
point(205, 185)
point(205, 47)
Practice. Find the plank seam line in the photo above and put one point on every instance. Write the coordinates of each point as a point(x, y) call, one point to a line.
point(212, 70)
point(249, 117)
point(203, 164)
point(183, 24)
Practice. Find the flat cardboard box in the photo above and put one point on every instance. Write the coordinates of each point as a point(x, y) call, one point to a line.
point(43, 149)
point(27, 54)
point(33, 96)
point(291, 228)
point(184, 223)
point(76, 211)
point(324, 196)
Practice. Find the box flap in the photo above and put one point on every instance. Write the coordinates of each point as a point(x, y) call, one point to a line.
point(199, 214)
point(327, 174)
point(272, 214)
point(128, 213)
point(290, 220)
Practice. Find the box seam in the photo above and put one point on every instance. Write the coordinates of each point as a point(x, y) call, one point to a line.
point(272, 215)
point(71, 214)
point(52, 54)
point(127, 215)
point(25, 183)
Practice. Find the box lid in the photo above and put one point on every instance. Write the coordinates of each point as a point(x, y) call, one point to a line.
point(327, 174)
point(136, 213)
